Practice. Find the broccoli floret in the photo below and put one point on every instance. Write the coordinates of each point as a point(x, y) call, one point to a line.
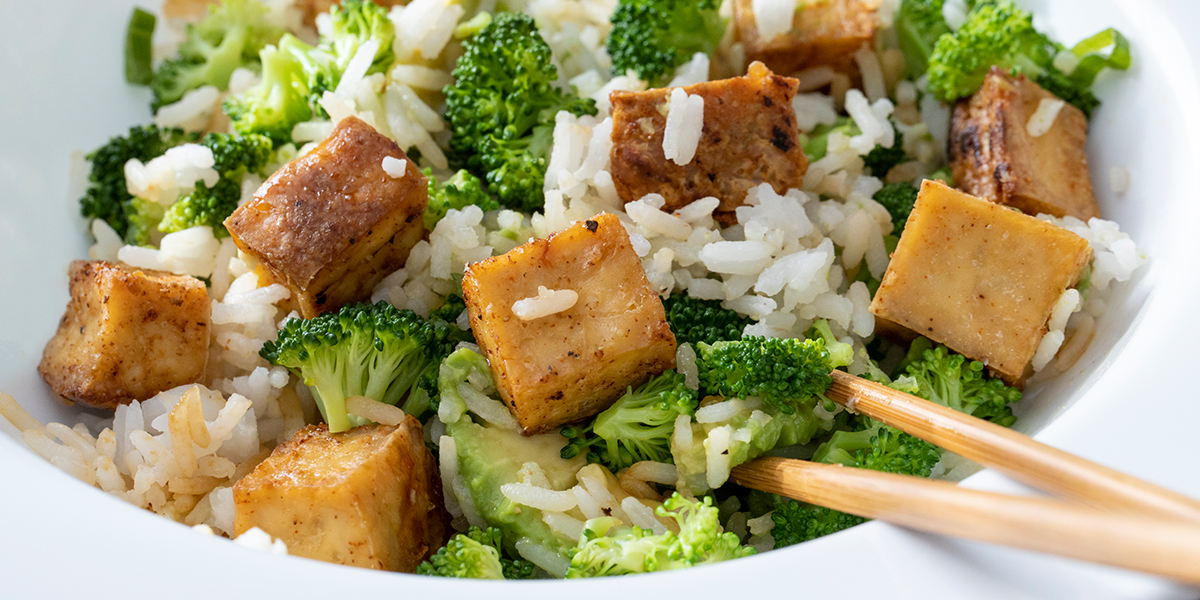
point(653, 37)
point(949, 379)
point(501, 108)
point(281, 100)
point(234, 156)
point(880, 160)
point(231, 36)
point(797, 522)
point(998, 34)
point(371, 350)
point(637, 427)
point(352, 24)
point(450, 310)
point(919, 24)
point(107, 196)
point(840, 354)
point(475, 555)
point(694, 321)
point(898, 198)
point(608, 548)
point(783, 372)
point(460, 191)
point(144, 217)
point(873, 445)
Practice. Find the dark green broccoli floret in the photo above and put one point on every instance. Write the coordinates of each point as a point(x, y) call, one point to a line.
point(108, 197)
point(371, 350)
point(475, 555)
point(231, 36)
point(636, 427)
point(898, 198)
point(797, 522)
point(609, 548)
point(501, 108)
point(998, 34)
point(919, 24)
point(783, 372)
point(460, 191)
point(234, 156)
point(880, 160)
point(653, 37)
point(281, 100)
point(694, 321)
point(450, 310)
point(950, 379)
point(445, 322)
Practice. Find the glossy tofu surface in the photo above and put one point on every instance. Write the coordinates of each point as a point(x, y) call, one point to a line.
point(749, 138)
point(127, 334)
point(573, 364)
point(993, 156)
point(823, 33)
point(332, 224)
point(369, 497)
point(979, 277)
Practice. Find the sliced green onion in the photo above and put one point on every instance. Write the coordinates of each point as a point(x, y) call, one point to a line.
point(139, 52)
point(1092, 59)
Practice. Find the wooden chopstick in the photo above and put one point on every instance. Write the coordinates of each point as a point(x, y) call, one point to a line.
point(1134, 541)
point(1014, 454)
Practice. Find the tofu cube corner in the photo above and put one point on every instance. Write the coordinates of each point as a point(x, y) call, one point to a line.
point(979, 278)
point(993, 155)
point(369, 497)
point(750, 137)
point(331, 224)
point(127, 334)
point(826, 33)
point(573, 364)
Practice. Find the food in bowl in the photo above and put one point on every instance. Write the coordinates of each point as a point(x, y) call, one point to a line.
point(740, 216)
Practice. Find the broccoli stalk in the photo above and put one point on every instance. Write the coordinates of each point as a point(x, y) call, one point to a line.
point(694, 321)
point(460, 191)
point(231, 36)
point(371, 350)
point(608, 548)
point(637, 427)
point(475, 555)
point(107, 196)
point(234, 156)
point(653, 37)
point(919, 24)
point(501, 108)
point(840, 354)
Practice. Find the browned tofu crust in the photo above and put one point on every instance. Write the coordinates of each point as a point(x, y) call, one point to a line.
point(979, 278)
point(331, 224)
point(749, 138)
point(127, 334)
point(992, 155)
point(823, 33)
point(369, 497)
point(574, 364)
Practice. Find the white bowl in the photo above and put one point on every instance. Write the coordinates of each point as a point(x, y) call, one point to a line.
point(1129, 403)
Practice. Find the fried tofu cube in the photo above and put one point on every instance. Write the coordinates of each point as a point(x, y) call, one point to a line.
point(993, 155)
point(823, 33)
point(979, 277)
point(127, 334)
point(333, 223)
point(369, 497)
point(749, 138)
point(574, 363)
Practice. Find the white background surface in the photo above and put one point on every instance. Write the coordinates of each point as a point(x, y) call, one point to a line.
point(1134, 408)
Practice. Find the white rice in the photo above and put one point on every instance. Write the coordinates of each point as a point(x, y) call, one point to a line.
point(1043, 118)
point(685, 126)
point(394, 167)
point(193, 112)
point(773, 18)
point(546, 303)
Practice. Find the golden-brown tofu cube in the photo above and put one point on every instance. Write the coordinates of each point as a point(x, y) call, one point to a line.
point(823, 33)
point(127, 334)
point(572, 364)
point(979, 277)
point(333, 223)
point(749, 138)
point(369, 497)
point(993, 156)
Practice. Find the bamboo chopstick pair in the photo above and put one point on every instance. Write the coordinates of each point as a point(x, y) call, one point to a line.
point(1102, 516)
